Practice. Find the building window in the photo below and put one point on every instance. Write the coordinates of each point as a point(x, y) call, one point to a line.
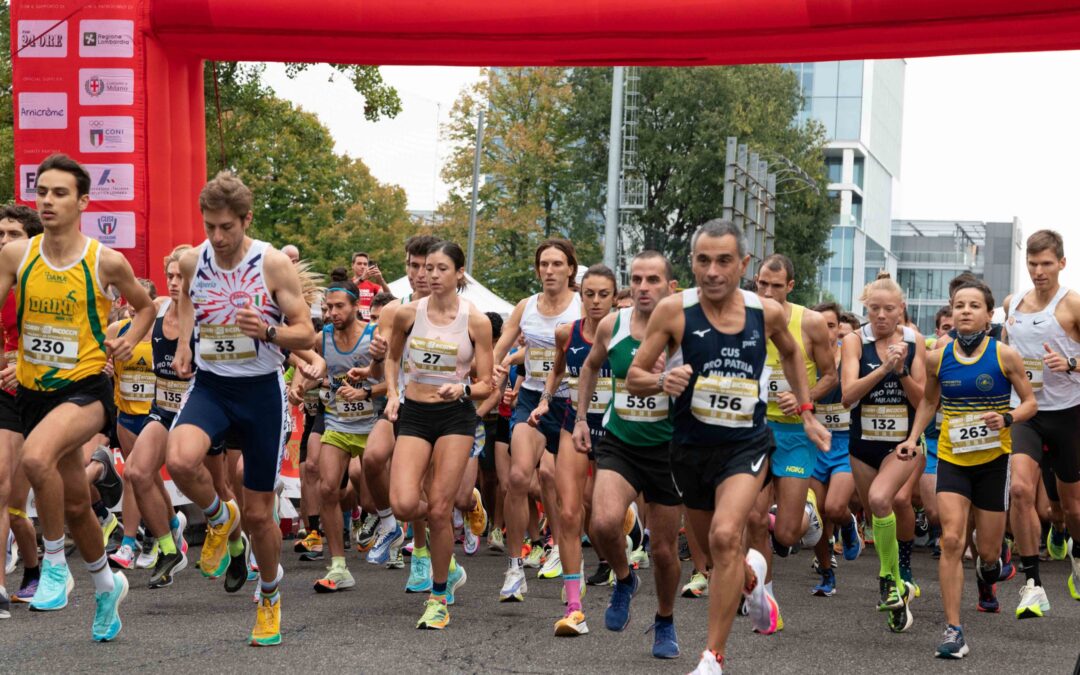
point(856, 210)
point(858, 177)
point(834, 167)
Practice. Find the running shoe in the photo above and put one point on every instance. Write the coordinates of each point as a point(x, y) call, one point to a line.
point(952, 645)
point(336, 579)
point(514, 585)
point(12, 553)
point(149, 554)
point(5, 604)
point(816, 566)
point(167, 565)
point(922, 527)
point(1057, 543)
point(571, 625)
point(760, 604)
point(309, 542)
point(419, 575)
point(890, 595)
point(178, 535)
point(813, 533)
point(454, 581)
point(552, 567)
point(697, 587)
point(639, 558)
point(900, 619)
point(267, 632)
point(665, 643)
point(617, 615)
point(236, 574)
point(215, 550)
point(827, 587)
point(477, 518)
point(124, 558)
point(397, 559)
point(108, 526)
point(436, 615)
point(535, 557)
point(471, 542)
point(988, 601)
point(1074, 578)
point(1033, 601)
point(708, 665)
point(909, 580)
point(369, 529)
point(107, 614)
point(315, 552)
point(1008, 571)
point(26, 593)
point(603, 576)
point(55, 585)
point(109, 485)
point(495, 540)
point(853, 544)
point(380, 551)
point(684, 547)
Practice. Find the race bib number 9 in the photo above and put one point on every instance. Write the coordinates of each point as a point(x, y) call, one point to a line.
point(968, 433)
point(137, 386)
point(777, 385)
point(639, 408)
point(225, 343)
point(833, 416)
point(1033, 368)
point(48, 345)
point(432, 356)
point(725, 401)
point(170, 394)
point(884, 423)
point(541, 360)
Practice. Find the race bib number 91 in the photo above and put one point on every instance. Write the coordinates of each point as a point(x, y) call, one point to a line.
point(137, 386)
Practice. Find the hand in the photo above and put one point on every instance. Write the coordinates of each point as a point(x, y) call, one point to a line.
point(658, 367)
point(119, 349)
point(677, 380)
point(582, 436)
point(374, 275)
point(907, 451)
point(181, 362)
point(1054, 361)
point(897, 356)
point(789, 405)
point(451, 392)
point(391, 410)
point(993, 421)
point(314, 371)
point(508, 397)
point(250, 322)
point(816, 432)
point(539, 411)
point(109, 368)
point(296, 396)
point(379, 347)
point(498, 374)
point(7, 376)
point(352, 393)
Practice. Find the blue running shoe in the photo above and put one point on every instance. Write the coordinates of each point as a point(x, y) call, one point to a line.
point(853, 545)
point(665, 645)
point(454, 581)
point(53, 588)
point(952, 645)
point(107, 616)
point(827, 587)
point(380, 552)
point(420, 576)
point(617, 615)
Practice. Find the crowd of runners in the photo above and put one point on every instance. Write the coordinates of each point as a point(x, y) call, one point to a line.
point(706, 419)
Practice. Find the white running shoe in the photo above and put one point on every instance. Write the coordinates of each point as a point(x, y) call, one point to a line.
point(708, 665)
point(813, 533)
point(124, 557)
point(147, 557)
point(471, 542)
point(1033, 601)
point(552, 567)
point(514, 585)
point(12, 553)
point(764, 612)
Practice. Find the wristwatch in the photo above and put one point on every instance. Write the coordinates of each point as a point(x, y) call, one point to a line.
point(903, 373)
point(466, 391)
point(1072, 364)
point(366, 387)
point(546, 397)
point(660, 380)
point(271, 333)
point(1007, 419)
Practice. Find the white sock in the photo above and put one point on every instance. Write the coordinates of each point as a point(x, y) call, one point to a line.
point(54, 551)
point(101, 574)
point(387, 521)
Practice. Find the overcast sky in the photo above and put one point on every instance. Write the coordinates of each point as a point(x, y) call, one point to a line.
point(985, 137)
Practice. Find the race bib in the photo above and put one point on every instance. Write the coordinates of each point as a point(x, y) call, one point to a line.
point(540, 361)
point(725, 401)
point(968, 433)
point(225, 343)
point(311, 401)
point(428, 356)
point(137, 386)
point(833, 416)
point(939, 418)
point(777, 385)
point(352, 411)
point(601, 396)
point(884, 423)
point(170, 394)
point(1033, 368)
point(48, 345)
point(639, 408)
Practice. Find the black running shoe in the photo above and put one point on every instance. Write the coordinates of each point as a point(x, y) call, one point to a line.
point(602, 577)
point(109, 486)
point(236, 573)
point(167, 565)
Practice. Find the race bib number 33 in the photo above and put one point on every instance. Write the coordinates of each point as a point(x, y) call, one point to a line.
point(225, 343)
point(725, 401)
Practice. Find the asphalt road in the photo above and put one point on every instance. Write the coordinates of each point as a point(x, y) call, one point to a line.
point(195, 627)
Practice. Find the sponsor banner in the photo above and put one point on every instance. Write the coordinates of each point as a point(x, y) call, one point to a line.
point(106, 86)
point(42, 39)
point(106, 134)
point(108, 39)
point(112, 182)
point(28, 182)
point(43, 110)
point(115, 229)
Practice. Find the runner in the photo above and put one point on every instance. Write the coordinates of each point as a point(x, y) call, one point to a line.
point(1043, 324)
point(633, 457)
point(245, 299)
point(573, 344)
point(715, 336)
point(883, 373)
point(444, 333)
point(535, 317)
point(973, 377)
point(63, 397)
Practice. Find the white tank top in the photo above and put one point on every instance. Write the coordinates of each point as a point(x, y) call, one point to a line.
point(440, 355)
point(1027, 333)
point(539, 332)
point(217, 295)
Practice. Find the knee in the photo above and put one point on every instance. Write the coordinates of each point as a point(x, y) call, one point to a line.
point(546, 473)
point(330, 492)
point(520, 480)
point(256, 520)
point(1022, 494)
point(663, 552)
point(404, 506)
point(606, 524)
point(570, 515)
point(725, 541)
point(787, 532)
point(881, 504)
point(952, 544)
point(73, 510)
point(180, 466)
point(136, 476)
point(837, 513)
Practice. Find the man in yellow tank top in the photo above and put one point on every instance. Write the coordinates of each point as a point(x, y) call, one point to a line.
point(63, 398)
point(792, 463)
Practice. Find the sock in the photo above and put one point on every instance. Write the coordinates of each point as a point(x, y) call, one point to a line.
point(453, 563)
point(1029, 564)
point(905, 553)
point(99, 510)
point(217, 513)
point(387, 521)
point(438, 591)
point(54, 551)
point(128, 541)
point(421, 552)
point(313, 524)
point(236, 548)
point(516, 563)
point(572, 584)
point(269, 589)
point(337, 562)
point(102, 575)
point(628, 581)
point(174, 524)
point(988, 573)
point(887, 548)
point(779, 549)
point(166, 544)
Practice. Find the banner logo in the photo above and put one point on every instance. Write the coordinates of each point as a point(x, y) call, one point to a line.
point(42, 39)
point(107, 86)
point(106, 134)
point(107, 39)
point(38, 110)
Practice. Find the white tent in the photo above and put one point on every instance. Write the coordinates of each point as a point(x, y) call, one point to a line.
point(475, 292)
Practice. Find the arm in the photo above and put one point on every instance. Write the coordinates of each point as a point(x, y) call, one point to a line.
point(590, 371)
point(822, 354)
point(402, 321)
point(665, 328)
point(794, 372)
point(510, 331)
point(283, 283)
point(480, 334)
point(1014, 370)
point(115, 269)
point(927, 408)
point(555, 376)
point(916, 379)
point(855, 387)
point(309, 362)
point(185, 313)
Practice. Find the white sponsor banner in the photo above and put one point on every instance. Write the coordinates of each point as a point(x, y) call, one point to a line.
point(42, 39)
point(106, 86)
point(112, 182)
point(114, 229)
point(101, 38)
point(106, 134)
point(43, 110)
point(28, 182)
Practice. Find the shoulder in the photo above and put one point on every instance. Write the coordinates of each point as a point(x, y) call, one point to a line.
point(274, 261)
point(852, 341)
point(563, 331)
point(933, 359)
point(189, 258)
point(814, 321)
point(772, 310)
point(671, 306)
point(1007, 352)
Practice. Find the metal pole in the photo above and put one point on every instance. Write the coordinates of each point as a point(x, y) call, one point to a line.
point(475, 190)
point(611, 213)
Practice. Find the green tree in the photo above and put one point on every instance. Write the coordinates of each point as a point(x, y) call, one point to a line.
point(7, 110)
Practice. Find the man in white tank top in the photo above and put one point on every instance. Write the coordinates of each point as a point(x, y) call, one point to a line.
point(1043, 324)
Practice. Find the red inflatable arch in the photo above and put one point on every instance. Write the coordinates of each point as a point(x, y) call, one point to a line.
point(118, 84)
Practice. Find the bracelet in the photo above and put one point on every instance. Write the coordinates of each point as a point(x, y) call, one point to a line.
point(806, 407)
point(660, 380)
point(378, 360)
point(545, 397)
point(578, 420)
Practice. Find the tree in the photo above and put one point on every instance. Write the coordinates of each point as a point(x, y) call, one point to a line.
point(7, 110)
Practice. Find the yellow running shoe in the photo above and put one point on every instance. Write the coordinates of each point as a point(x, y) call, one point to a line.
point(571, 625)
point(477, 518)
point(436, 615)
point(216, 546)
point(108, 526)
point(1057, 544)
point(267, 632)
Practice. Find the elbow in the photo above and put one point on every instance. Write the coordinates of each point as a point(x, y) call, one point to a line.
point(848, 401)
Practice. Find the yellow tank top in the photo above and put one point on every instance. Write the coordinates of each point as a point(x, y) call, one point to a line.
point(62, 315)
point(777, 382)
point(133, 380)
